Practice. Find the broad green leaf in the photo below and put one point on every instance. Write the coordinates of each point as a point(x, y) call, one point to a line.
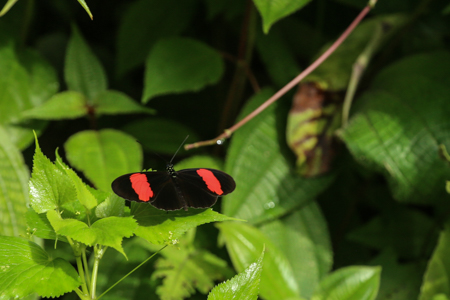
point(303, 238)
point(350, 283)
point(185, 268)
point(27, 81)
point(141, 27)
point(65, 105)
point(113, 206)
point(177, 65)
point(26, 268)
point(278, 58)
point(160, 227)
point(266, 186)
point(244, 286)
point(399, 280)
point(272, 11)
point(114, 102)
point(244, 244)
point(86, 8)
point(103, 155)
point(436, 279)
point(199, 161)
point(107, 231)
point(50, 186)
point(13, 187)
point(83, 72)
point(396, 131)
point(160, 135)
point(406, 231)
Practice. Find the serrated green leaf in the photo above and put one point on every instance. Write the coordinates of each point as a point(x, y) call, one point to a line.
point(64, 105)
point(84, 195)
point(244, 286)
point(141, 27)
point(352, 283)
point(113, 206)
point(177, 65)
point(244, 244)
point(13, 187)
point(82, 71)
point(272, 11)
point(107, 231)
point(25, 266)
point(103, 155)
point(50, 186)
point(436, 279)
point(266, 187)
point(112, 102)
point(396, 131)
point(160, 227)
point(160, 135)
point(39, 225)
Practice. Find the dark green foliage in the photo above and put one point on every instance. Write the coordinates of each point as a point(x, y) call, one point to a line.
point(107, 96)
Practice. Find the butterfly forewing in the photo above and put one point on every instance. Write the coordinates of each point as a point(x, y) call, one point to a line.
point(141, 187)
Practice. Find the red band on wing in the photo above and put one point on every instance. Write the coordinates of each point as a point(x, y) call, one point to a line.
point(140, 185)
point(212, 183)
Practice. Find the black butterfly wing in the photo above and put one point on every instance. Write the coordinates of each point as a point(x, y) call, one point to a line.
point(201, 187)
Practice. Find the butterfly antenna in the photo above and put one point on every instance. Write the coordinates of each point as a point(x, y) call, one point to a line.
point(179, 148)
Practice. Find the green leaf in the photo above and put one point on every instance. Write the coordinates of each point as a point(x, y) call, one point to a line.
point(114, 102)
point(103, 155)
point(185, 268)
point(272, 11)
point(436, 279)
point(7, 7)
point(83, 72)
point(177, 65)
point(50, 186)
point(160, 135)
point(352, 283)
point(160, 227)
point(244, 286)
point(27, 81)
point(65, 105)
point(25, 267)
point(399, 280)
point(396, 131)
point(84, 195)
point(303, 238)
point(40, 226)
point(244, 244)
point(141, 27)
point(107, 231)
point(86, 8)
point(113, 206)
point(406, 231)
point(13, 187)
point(334, 73)
point(266, 186)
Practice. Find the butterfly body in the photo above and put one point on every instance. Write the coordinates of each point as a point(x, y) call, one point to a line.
point(173, 190)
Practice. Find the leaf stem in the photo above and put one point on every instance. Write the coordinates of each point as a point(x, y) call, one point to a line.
point(86, 266)
point(228, 132)
point(129, 273)
point(98, 254)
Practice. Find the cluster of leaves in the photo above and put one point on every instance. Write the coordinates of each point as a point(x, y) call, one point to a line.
point(363, 231)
